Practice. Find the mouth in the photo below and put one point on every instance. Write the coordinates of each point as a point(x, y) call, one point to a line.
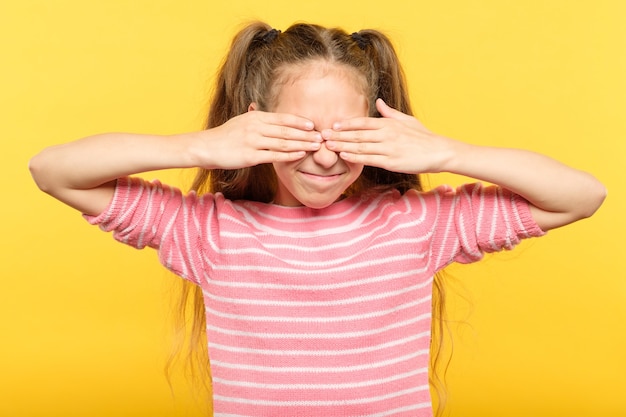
point(321, 177)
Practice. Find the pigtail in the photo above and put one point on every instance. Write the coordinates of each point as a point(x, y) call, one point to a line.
point(390, 78)
point(231, 97)
point(241, 80)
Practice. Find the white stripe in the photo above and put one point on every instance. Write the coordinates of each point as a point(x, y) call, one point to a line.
point(181, 267)
point(520, 224)
point(470, 251)
point(313, 403)
point(318, 352)
point(358, 222)
point(507, 221)
point(299, 247)
point(400, 410)
point(347, 385)
point(333, 319)
point(169, 227)
point(321, 287)
point(494, 223)
point(189, 253)
point(481, 207)
point(345, 335)
point(366, 236)
point(127, 205)
point(317, 266)
point(320, 370)
point(298, 263)
point(128, 208)
point(446, 250)
point(146, 216)
point(382, 414)
point(291, 303)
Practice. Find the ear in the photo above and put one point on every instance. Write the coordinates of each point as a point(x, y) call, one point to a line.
point(252, 106)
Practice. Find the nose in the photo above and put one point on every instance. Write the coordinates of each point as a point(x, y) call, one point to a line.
point(325, 157)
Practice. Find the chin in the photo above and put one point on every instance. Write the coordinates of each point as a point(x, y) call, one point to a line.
point(318, 204)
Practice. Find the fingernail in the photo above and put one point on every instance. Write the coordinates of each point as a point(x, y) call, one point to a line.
point(336, 126)
point(309, 125)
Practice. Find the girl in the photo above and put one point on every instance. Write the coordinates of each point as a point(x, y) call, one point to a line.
point(307, 234)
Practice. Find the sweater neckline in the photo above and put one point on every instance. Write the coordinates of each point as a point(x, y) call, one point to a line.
point(339, 207)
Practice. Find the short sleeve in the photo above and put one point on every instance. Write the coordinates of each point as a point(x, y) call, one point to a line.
point(143, 213)
point(475, 219)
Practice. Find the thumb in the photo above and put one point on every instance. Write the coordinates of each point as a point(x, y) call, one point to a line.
point(389, 112)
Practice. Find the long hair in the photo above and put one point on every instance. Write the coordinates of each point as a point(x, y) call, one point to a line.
point(253, 71)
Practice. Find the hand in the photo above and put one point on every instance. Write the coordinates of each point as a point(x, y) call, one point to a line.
point(256, 137)
point(396, 142)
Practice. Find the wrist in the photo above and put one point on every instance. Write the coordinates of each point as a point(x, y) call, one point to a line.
point(453, 155)
point(191, 148)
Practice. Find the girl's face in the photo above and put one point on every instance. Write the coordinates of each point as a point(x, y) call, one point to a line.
point(323, 93)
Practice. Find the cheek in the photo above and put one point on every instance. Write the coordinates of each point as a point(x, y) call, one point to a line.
point(356, 170)
point(285, 172)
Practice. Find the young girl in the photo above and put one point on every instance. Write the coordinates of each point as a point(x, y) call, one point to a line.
point(307, 232)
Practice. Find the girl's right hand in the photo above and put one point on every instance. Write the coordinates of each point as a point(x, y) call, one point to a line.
point(253, 138)
point(82, 173)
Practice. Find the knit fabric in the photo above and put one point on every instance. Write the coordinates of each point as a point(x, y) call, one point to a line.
point(318, 312)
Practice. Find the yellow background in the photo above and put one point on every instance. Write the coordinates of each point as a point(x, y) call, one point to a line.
point(538, 332)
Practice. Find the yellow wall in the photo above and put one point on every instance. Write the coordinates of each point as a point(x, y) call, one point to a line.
point(541, 330)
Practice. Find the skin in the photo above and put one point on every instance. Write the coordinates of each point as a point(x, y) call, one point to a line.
point(325, 95)
point(318, 138)
point(558, 194)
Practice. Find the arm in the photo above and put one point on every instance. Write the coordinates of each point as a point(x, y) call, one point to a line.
point(82, 174)
point(558, 194)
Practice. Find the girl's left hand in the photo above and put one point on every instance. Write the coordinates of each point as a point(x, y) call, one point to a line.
point(396, 142)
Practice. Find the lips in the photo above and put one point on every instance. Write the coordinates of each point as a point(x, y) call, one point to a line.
point(321, 177)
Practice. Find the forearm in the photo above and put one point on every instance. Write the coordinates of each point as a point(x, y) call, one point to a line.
point(558, 193)
point(398, 142)
point(81, 173)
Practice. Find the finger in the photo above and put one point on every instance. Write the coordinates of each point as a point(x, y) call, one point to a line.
point(352, 136)
point(358, 123)
point(379, 161)
point(275, 156)
point(291, 133)
point(288, 120)
point(358, 148)
point(390, 112)
point(288, 145)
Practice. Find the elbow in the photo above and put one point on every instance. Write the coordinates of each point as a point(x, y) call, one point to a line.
point(591, 196)
point(40, 172)
point(595, 197)
point(37, 172)
point(580, 206)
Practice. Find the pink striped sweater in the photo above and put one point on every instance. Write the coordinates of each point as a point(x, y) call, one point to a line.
point(318, 312)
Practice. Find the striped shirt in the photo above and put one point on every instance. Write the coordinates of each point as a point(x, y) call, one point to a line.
point(318, 312)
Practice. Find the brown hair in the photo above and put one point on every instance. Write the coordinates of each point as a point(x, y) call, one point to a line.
point(252, 72)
